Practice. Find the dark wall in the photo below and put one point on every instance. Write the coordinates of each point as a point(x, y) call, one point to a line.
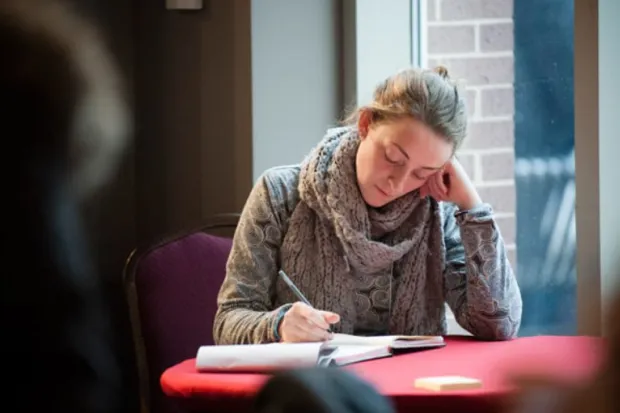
point(188, 77)
point(192, 79)
point(544, 130)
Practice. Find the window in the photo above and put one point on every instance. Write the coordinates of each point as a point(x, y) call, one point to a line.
point(517, 67)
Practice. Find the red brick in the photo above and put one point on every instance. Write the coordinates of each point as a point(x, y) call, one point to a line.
point(468, 161)
point(498, 166)
point(497, 102)
point(470, 101)
point(431, 9)
point(482, 70)
point(496, 37)
point(502, 198)
point(475, 9)
point(490, 134)
point(451, 39)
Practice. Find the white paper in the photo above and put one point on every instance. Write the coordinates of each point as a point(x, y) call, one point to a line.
point(346, 354)
point(341, 339)
point(257, 356)
point(388, 341)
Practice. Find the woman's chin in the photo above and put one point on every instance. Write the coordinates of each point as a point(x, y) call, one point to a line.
point(376, 202)
point(373, 197)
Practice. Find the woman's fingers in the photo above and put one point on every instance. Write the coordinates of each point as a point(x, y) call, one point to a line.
point(303, 331)
point(443, 182)
point(329, 317)
point(435, 187)
point(314, 317)
point(304, 323)
point(314, 333)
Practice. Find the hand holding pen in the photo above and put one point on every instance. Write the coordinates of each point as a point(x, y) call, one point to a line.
point(304, 323)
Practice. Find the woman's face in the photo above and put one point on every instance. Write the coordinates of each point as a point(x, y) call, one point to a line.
point(397, 157)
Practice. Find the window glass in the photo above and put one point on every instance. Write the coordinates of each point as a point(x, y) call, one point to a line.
point(517, 68)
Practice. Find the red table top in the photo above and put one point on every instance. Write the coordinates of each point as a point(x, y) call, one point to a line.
point(567, 358)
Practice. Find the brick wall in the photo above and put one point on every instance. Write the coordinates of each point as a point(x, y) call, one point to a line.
point(474, 40)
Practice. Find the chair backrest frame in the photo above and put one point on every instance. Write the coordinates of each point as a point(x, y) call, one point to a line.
point(219, 221)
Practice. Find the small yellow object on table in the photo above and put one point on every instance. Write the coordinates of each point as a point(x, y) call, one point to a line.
point(442, 383)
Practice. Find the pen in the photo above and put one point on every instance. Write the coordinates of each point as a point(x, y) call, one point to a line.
point(296, 291)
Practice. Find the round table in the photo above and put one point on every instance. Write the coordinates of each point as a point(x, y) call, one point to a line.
point(494, 363)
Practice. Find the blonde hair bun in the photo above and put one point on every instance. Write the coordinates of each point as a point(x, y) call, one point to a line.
point(427, 95)
point(442, 71)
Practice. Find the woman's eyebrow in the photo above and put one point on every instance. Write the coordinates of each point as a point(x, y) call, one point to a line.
point(431, 168)
point(400, 148)
point(428, 168)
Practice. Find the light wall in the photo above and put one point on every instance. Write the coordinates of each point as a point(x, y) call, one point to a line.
point(377, 42)
point(296, 82)
point(597, 174)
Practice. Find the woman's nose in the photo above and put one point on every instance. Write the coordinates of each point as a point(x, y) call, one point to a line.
point(396, 185)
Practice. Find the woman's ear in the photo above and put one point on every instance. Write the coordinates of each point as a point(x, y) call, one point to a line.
point(363, 123)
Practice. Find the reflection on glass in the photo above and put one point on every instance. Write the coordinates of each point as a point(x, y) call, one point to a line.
point(545, 175)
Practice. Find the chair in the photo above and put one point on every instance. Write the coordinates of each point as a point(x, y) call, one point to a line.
point(171, 288)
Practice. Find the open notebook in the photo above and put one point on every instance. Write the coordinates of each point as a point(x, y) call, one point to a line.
point(343, 349)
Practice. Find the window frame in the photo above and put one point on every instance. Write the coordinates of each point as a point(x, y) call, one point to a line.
point(418, 28)
point(596, 171)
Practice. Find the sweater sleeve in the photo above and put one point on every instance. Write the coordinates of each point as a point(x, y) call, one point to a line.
point(245, 312)
point(481, 288)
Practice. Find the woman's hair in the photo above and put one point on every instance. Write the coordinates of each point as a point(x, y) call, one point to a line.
point(429, 96)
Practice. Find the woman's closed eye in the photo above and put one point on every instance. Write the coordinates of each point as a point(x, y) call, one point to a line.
point(393, 158)
point(390, 160)
point(420, 177)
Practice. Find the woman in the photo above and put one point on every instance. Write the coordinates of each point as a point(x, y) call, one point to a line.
point(379, 227)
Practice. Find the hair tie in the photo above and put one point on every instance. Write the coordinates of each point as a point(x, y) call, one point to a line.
point(442, 71)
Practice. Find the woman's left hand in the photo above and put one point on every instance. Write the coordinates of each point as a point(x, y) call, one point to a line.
point(451, 184)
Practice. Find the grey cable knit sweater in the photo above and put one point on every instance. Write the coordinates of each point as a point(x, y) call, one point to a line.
point(383, 272)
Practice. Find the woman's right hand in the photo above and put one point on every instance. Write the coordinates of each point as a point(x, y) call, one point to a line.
point(302, 323)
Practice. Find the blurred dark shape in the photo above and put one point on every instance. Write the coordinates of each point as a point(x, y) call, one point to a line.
point(320, 390)
point(601, 394)
point(64, 125)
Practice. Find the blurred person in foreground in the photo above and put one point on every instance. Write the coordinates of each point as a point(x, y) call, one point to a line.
point(600, 394)
point(64, 126)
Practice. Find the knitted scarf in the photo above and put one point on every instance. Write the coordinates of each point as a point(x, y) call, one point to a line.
point(333, 234)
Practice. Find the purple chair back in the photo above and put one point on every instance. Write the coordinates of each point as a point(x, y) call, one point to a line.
point(171, 289)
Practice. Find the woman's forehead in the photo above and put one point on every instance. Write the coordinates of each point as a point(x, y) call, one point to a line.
point(415, 139)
